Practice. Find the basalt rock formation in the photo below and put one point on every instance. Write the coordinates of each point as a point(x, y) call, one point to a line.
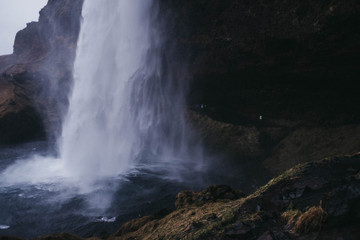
point(35, 80)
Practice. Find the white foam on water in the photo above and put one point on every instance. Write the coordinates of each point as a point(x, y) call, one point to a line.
point(106, 219)
point(4, 227)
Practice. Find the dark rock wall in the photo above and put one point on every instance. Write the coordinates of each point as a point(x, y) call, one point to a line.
point(279, 58)
point(38, 75)
point(278, 78)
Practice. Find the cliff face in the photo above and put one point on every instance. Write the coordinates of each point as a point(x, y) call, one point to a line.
point(35, 80)
point(278, 58)
point(278, 78)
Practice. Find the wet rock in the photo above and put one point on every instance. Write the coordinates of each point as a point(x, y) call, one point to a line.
point(211, 194)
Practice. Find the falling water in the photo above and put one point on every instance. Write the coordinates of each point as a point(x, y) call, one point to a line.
point(99, 136)
point(127, 103)
point(126, 100)
point(124, 133)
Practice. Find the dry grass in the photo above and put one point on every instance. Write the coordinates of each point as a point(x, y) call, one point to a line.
point(290, 216)
point(311, 220)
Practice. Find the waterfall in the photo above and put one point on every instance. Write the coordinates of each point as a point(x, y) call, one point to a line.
point(128, 100)
point(125, 100)
point(125, 148)
point(99, 135)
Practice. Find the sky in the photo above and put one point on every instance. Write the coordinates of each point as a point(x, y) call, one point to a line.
point(14, 14)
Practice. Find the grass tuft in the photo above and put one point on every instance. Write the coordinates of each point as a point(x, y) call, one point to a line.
point(290, 216)
point(311, 220)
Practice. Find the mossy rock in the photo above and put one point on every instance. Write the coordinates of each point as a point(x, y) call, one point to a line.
point(213, 193)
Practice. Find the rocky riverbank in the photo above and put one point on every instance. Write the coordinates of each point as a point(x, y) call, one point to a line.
point(316, 200)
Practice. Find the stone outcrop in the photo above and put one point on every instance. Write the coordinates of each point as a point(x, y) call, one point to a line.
point(317, 200)
point(212, 194)
point(276, 145)
point(35, 80)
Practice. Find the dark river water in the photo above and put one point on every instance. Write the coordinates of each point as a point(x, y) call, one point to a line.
point(31, 210)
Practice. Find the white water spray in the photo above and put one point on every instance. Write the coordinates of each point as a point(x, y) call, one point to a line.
point(99, 137)
point(127, 102)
